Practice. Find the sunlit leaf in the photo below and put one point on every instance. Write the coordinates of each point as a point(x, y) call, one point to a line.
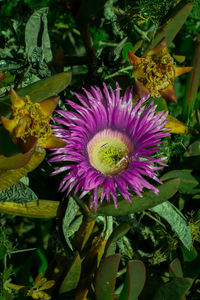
point(175, 126)
point(36, 209)
point(9, 177)
point(15, 161)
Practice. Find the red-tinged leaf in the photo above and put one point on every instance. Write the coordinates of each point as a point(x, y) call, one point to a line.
point(8, 124)
point(182, 70)
point(175, 268)
point(134, 60)
point(15, 161)
point(2, 76)
point(53, 142)
point(15, 100)
point(134, 281)
point(30, 143)
point(141, 89)
point(106, 278)
point(192, 83)
point(49, 105)
point(159, 47)
point(169, 94)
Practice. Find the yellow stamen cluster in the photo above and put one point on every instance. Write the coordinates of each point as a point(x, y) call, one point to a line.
point(156, 72)
point(109, 156)
point(31, 121)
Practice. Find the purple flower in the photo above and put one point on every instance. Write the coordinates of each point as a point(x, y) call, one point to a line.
point(110, 144)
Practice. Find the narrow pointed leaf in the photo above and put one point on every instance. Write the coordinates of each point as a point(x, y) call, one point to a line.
point(149, 199)
point(106, 277)
point(175, 126)
point(72, 277)
point(134, 60)
point(135, 280)
point(182, 70)
point(169, 94)
point(48, 105)
point(177, 221)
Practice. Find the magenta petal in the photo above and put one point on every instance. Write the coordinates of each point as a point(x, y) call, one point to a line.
point(96, 112)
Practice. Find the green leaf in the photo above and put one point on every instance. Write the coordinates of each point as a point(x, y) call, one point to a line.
point(173, 25)
point(177, 221)
point(36, 34)
point(19, 193)
point(149, 199)
point(135, 280)
point(188, 181)
point(70, 214)
point(117, 233)
point(72, 277)
point(41, 89)
point(3, 251)
point(106, 277)
point(174, 290)
point(127, 47)
point(43, 259)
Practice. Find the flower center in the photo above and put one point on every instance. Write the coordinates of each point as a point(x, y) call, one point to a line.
point(156, 72)
point(109, 151)
point(31, 121)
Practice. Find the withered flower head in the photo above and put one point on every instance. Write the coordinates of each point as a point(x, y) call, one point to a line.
point(29, 123)
point(155, 72)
